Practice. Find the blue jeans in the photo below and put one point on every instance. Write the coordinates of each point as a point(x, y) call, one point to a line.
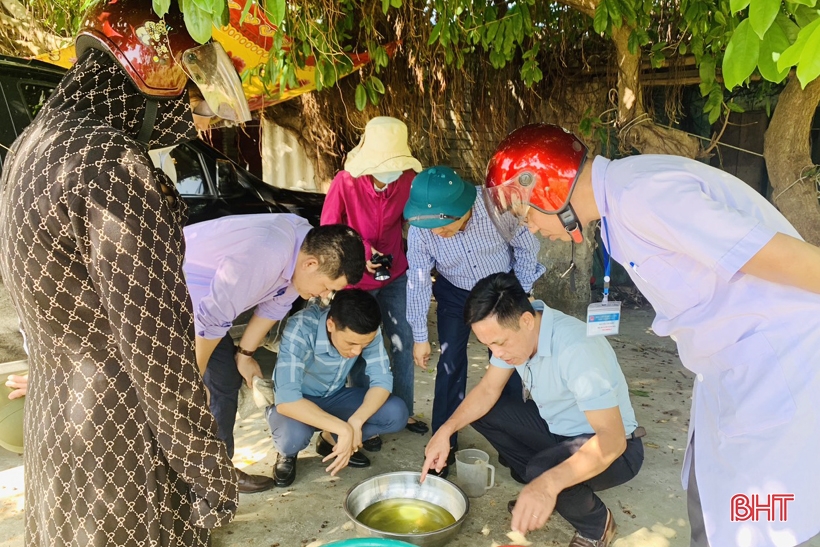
point(392, 300)
point(290, 436)
point(223, 381)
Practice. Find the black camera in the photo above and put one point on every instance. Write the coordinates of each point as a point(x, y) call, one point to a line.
point(383, 264)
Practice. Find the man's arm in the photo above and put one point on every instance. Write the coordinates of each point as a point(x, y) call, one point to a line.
point(525, 248)
point(204, 349)
point(420, 263)
point(256, 331)
point(537, 500)
point(788, 261)
point(476, 404)
point(373, 401)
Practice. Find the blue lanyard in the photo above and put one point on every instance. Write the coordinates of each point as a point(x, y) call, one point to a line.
point(607, 261)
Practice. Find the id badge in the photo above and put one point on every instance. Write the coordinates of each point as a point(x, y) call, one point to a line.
point(603, 318)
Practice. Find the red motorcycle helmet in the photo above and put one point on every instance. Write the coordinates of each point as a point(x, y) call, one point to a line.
point(536, 166)
point(160, 56)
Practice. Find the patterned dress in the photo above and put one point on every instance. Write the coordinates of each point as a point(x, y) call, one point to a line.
point(120, 448)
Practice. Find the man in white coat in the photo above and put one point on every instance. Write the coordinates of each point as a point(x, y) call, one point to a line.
point(733, 284)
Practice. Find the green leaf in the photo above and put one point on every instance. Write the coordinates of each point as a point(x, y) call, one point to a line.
point(804, 15)
point(741, 55)
point(737, 5)
point(160, 7)
point(714, 114)
point(734, 107)
point(377, 84)
point(792, 55)
point(720, 18)
point(361, 97)
point(492, 31)
point(601, 19)
point(434, 34)
point(808, 69)
point(773, 44)
point(395, 3)
point(682, 48)
point(276, 11)
point(245, 12)
point(198, 22)
point(809, 3)
point(385, 7)
point(632, 42)
point(707, 75)
point(614, 9)
point(371, 94)
point(787, 26)
point(762, 14)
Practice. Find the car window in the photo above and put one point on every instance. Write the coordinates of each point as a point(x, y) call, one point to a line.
point(35, 96)
point(183, 167)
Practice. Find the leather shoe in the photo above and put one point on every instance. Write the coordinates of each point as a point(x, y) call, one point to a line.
point(250, 484)
point(357, 460)
point(284, 470)
point(417, 427)
point(373, 444)
point(609, 533)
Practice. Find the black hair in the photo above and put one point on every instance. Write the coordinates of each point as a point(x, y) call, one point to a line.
point(356, 310)
point(339, 250)
point(500, 295)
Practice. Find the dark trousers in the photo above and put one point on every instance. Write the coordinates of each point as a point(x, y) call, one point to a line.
point(522, 437)
point(451, 372)
point(223, 381)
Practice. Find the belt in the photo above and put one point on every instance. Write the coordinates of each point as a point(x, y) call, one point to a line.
point(637, 434)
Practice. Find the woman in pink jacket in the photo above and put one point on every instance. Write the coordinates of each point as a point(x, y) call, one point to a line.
point(369, 196)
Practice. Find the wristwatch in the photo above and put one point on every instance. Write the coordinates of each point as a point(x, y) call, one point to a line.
point(244, 351)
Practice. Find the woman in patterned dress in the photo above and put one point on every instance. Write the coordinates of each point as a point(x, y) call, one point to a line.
point(120, 448)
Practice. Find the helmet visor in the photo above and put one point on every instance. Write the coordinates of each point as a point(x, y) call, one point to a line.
point(507, 206)
point(210, 68)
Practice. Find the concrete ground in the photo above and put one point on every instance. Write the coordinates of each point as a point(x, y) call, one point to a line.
point(650, 510)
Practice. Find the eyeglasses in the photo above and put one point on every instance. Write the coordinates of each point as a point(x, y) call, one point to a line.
point(526, 390)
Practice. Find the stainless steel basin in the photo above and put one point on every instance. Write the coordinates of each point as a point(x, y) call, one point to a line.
point(405, 484)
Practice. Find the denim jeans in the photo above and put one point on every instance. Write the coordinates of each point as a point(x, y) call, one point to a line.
point(392, 300)
point(290, 436)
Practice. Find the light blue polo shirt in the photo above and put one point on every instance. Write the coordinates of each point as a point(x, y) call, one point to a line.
point(572, 373)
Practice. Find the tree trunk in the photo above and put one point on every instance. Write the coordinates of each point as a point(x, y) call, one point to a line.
point(637, 130)
point(787, 150)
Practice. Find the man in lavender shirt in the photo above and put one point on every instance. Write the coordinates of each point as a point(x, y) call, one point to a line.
point(260, 262)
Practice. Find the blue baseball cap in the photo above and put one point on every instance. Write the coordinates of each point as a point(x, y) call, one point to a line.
point(438, 197)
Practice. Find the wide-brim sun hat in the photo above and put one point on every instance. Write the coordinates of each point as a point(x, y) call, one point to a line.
point(438, 197)
point(382, 149)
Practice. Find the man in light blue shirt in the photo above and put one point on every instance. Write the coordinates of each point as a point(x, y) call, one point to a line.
point(451, 232)
point(318, 349)
point(570, 433)
point(261, 262)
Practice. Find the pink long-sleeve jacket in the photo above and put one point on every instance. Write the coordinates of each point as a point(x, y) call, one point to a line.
point(377, 216)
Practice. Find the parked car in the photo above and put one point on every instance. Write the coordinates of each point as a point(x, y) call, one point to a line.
point(210, 183)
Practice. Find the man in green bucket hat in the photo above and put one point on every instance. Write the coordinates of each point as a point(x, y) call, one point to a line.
point(451, 231)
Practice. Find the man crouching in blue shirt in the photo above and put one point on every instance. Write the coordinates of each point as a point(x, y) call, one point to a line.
point(318, 349)
point(572, 431)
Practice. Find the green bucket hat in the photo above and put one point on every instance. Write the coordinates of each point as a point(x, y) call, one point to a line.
point(438, 197)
